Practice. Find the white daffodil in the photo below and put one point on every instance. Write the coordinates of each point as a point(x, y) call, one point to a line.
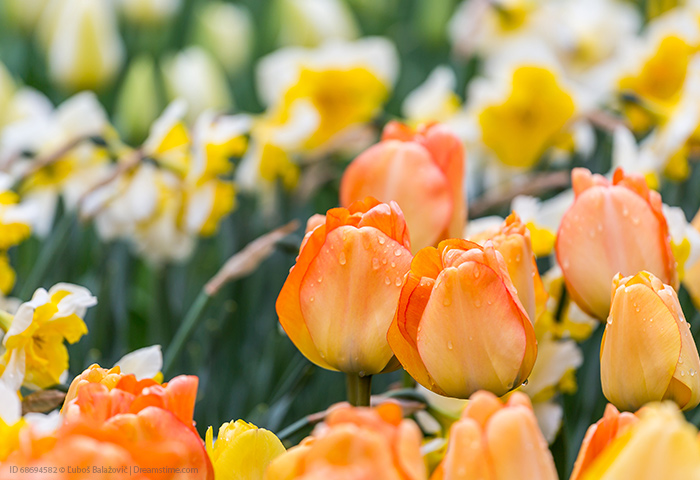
point(194, 76)
point(84, 48)
point(35, 355)
point(435, 100)
point(144, 363)
point(227, 31)
point(311, 22)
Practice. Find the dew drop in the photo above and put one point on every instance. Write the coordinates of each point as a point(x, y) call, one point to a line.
point(692, 373)
point(387, 280)
point(609, 320)
point(397, 252)
point(477, 303)
point(311, 299)
point(635, 220)
point(381, 240)
point(682, 373)
point(565, 263)
point(625, 211)
point(447, 301)
point(384, 261)
point(319, 279)
point(680, 359)
point(341, 259)
point(449, 345)
point(393, 265)
point(525, 382)
point(477, 273)
point(375, 263)
point(517, 258)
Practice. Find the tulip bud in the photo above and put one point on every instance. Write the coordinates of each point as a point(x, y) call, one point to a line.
point(610, 228)
point(356, 443)
point(460, 326)
point(193, 75)
point(227, 31)
point(24, 13)
point(338, 300)
point(149, 12)
point(420, 170)
point(657, 444)
point(599, 436)
point(311, 22)
point(648, 353)
point(84, 48)
point(242, 450)
point(496, 441)
point(137, 104)
point(512, 240)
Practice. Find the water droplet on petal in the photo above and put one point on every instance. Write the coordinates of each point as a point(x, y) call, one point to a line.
point(682, 373)
point(477, 303)
point(320, 279)
point(381, 240)
point(398, 252)
point(625, 211)
point(399, 281)
point(387, 280)
point(446, 301)
point(311, 299)
point(341, 259)
point(609, 320)
point(477, 273)
point(384, 261)
point(525, 382)
point(449, 345)
point(393, 265)
point(375, 263)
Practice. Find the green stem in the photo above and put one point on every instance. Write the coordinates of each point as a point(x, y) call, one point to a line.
point(185, 330)
point(359, 389)
point(54, 244)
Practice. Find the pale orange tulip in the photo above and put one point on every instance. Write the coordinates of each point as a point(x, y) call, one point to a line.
point(648, 352)
point(422, 171)
point(496, 441)
point(610, 228)
point(356, 443)
point(512, 239)
point(460, 326)
point(340, 297)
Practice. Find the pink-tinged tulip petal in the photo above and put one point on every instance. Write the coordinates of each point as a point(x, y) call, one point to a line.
point(599, 436)
point(610, 228)
point(648, 353)
point(493, 441)
point(459, 326)
point(340, 297)
point(420, 170)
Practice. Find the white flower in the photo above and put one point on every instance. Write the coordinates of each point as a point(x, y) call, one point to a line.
point(227, 31)
point(435, 99)
point(311, 22)
point(144, 363)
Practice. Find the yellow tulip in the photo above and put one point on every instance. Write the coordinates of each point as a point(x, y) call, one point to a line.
point(660, 445)
point(242, 451)
point(648, 352)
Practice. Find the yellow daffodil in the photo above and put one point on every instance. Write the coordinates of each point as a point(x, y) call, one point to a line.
point(35, 354)
point(242, 451)
point(14, 227)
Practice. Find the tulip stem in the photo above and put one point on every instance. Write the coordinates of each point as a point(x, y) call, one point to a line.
point(359, 389)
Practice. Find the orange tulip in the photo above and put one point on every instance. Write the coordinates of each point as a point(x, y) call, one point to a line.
point(610, 228)
point(512, 240)
point(356, 443)
point(420, 170)
point(150, 444)
point(493, 441)
point(340, 297)
point(599, 436)
point(648, 352)
point(460, 326)
point(98, 399)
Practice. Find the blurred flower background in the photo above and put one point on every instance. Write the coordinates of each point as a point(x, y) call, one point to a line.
point(145, 142)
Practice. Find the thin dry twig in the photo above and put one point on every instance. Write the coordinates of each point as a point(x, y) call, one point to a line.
point(48, 159)
point(536, 185)
point(248, 259)
point(605, 120)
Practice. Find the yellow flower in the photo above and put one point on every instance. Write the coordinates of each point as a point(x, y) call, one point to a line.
point(35, 354)
point(520, 129)
point(7, 274)
point(275, 163)
point(11, 421)
point(13, 230)
point(242, 451)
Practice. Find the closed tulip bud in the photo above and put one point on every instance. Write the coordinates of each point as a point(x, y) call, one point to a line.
point(599, 436)
point(340, 297)
point(226, 30)
point(460, 326)
point(648, 353)
point(656, 443)
point(420, 170)
point(149, 12)
point(496, 441)
point(137, 103)
point(311, 22)
point(356, 443)
point(512, 240)
point(194, 76)
point(242, 451)
point(85, 50)
point(610, 228)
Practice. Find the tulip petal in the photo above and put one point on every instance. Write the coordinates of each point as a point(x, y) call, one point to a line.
point(511, 430)
point(472, 350)
point(405, 173)
point(248, 455)
point(354, 279)
point(288, 304)
point(630, 375)
point(467, 457)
